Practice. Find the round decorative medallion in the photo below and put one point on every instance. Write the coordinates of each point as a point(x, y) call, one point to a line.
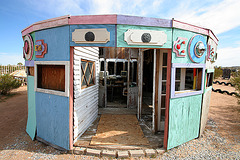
point(89, 36)
point(197, 48)
point(28, 47)
point(146, 37)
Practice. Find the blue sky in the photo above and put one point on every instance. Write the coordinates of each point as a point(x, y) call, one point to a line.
point(221, 16)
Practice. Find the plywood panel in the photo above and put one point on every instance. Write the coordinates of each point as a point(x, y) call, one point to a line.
point(121, 29)
point(186, 34)
point(52, 114)
point(184, 120)
point(31, 122)
point(110, 28)
point(57, 40)
point(205, 109)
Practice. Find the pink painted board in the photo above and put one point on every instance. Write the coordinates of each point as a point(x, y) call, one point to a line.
point(189, 27)
point(93, 19)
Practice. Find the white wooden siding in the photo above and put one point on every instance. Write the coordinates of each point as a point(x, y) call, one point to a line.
point(85, 100)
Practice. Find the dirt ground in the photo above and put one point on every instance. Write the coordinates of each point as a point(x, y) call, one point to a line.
point(221, 139)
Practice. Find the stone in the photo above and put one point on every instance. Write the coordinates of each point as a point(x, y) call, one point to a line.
point(79, 150)
point(136, 153)
point(150, 152)
point(93, 152)
point(109, 153)
point(123, 154)
point(160, 151)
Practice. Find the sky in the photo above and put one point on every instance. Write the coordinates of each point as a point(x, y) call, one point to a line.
point(221, 16)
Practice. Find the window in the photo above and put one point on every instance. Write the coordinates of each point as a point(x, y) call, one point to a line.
point(187, 79)
point(88, 72)
point(209, 79)
point(52, 77)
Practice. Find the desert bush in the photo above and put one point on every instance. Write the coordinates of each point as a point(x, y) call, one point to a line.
point(7, 83)
point(218, 72)
point(235, 80)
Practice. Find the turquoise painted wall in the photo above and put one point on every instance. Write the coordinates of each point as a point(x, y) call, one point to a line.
point(121, 29)
point(184, 120)
point(57, 40)
point(52, 114)
point(31, 122)
point(186, 34)
point(110, 28)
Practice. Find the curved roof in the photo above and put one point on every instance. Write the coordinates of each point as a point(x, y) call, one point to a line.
point(116, 19)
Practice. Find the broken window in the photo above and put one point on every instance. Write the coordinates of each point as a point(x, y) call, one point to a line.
point(88, 72)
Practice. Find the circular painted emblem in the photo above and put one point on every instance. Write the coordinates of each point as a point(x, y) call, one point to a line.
point(28, 47)
point(197, 48)
point(146, 37)
point(89, 36)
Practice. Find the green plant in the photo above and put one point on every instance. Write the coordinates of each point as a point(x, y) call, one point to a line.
point(235, 80)
point(7, 83)
point(218, 72)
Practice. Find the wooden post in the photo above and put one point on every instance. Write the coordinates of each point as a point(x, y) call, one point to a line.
point(128, 76)
point(168, 86)
point(140, 83)
point(105, 77)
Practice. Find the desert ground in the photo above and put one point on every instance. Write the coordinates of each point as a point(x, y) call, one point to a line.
point(221, 138)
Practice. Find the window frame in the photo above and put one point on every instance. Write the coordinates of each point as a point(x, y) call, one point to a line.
point(173, 79)
point(50, 91)
point(93, 74)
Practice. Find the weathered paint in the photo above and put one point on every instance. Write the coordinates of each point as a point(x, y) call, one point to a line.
point(143, 21)
point(49, 23)
point(184, 120)
point(31, 122)
point(52, 115)
point(93, 19)
point(186, 34)
point(85, 103)
point(121, 29)
point(110, 28)
point(205, 108)
point(57, 40)
point(209, 63)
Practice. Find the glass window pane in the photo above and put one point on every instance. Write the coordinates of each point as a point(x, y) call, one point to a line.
point(178, 73)
point(87, 73)
point(177, 86)
point(164, 88)
point(189, 79)
point(164, 59)
point(83, 63)
point(164, 74)
point(84, 82)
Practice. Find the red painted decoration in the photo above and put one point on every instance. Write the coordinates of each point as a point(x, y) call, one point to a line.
point(183, 51)
point(178, 46)
point(183, 42)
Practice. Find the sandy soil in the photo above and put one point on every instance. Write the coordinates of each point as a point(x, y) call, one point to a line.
point(221, 139)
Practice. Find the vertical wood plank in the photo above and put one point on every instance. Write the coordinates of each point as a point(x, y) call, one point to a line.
point(105, 78)
point(168, 85)
point(128, 76)
point(140, 77)
point(71, 101)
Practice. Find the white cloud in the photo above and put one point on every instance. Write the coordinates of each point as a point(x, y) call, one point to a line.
point(220, 17)
point(13, 59)
point(228, 57)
